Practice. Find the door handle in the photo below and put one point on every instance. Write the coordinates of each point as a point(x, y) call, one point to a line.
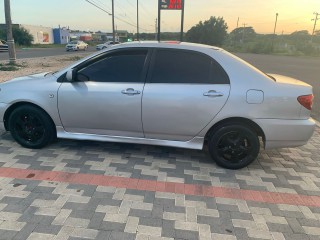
point(213, 94)
point(130, 91)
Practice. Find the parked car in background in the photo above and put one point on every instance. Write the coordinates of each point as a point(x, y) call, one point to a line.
point(105, 45)
point(76, 45)
point(3, 46)
point(178, 95)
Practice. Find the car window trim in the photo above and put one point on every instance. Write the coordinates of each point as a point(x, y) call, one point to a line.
point(213, 61)
point(98, 57)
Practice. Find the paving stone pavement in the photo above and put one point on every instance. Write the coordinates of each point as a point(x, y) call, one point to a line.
point(92, 190)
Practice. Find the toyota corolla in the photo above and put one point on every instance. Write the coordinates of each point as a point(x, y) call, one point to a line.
point(179, 95)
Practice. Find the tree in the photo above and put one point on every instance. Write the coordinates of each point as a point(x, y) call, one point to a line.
point(211, 32)
point(243, 34)
point(21, 36)
point(300, 37)
point(300, 33)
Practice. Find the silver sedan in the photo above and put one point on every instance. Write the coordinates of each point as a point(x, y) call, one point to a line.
point(169, 94)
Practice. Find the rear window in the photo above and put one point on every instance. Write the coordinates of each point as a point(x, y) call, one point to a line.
point(186, 67)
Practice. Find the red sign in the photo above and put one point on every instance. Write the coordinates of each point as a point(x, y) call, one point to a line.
point(171, 4)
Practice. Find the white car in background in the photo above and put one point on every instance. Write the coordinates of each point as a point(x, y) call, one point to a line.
point(3, 46)
point(105, 45)
point(76, 45)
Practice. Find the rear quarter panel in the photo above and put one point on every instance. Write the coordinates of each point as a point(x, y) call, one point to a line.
point(279, 99)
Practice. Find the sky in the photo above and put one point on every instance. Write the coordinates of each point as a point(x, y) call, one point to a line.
point(79, 14)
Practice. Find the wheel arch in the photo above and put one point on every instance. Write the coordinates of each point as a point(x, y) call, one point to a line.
point(237, 120)
point(19, 104)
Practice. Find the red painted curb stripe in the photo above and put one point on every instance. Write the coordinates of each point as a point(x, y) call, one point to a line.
point(158, 186)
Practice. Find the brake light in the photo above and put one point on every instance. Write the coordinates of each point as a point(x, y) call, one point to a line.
point(306, 101)
point(172, 42)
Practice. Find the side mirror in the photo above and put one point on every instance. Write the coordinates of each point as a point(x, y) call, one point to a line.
point(70, 75)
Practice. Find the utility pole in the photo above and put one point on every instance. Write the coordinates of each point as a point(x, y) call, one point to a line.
point(156, 29)
point(274, 31)
point(182, 20)
point(238, 22)
point(10, 40)
point(113, 30)
point(138, 20)
point(315, 24)
point(159, 21)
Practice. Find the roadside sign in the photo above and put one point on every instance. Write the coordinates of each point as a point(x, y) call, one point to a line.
point(171, 4)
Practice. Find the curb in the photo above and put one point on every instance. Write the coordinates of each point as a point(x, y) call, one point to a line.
point(317, 123)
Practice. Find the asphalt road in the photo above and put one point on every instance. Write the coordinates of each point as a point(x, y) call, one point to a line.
point(40, 52)
point(306, 69)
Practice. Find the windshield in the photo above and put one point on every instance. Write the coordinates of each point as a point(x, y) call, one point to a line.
point(73, 42)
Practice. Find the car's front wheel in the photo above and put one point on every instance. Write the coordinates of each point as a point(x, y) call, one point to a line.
point(31, 127)
point(234, 146)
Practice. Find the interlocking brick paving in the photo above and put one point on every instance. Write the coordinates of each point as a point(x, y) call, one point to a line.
point(93, 190)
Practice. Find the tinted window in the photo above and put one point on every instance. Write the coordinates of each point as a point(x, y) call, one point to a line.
point(217, 74)
point(174, 66)
point(124, 66)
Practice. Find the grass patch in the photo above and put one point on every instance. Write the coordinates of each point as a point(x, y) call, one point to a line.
point(44, 46)
point(71, 59)
point(10, 67)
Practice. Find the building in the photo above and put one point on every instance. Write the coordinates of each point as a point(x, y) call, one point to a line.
point(61, 35)
point(121, 35)
point(41, 35)
point(47, 35)
point(83, 36)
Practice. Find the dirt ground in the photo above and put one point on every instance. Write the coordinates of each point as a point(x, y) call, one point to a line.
point(38, 65)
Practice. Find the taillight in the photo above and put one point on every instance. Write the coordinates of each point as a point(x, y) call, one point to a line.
point(306, 101)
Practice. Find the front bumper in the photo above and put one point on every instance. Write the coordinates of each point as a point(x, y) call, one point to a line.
point(3, 109)
point(281, 133)
point(71, 48)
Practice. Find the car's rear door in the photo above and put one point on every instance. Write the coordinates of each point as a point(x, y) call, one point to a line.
point(184, 91)
point(109, 103)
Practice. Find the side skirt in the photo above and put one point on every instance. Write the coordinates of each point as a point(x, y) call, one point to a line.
point(195, 143)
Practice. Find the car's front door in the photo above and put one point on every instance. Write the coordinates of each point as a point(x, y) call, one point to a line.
point(106, 98)
point(183, 93)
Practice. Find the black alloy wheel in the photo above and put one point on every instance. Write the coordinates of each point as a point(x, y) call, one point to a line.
point(234, 146)
point(31, 127)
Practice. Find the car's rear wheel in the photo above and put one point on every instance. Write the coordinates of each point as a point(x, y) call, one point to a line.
point(31, 127)
point(233, 146)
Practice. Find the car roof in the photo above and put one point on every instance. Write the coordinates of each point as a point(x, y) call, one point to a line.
point(170, 44)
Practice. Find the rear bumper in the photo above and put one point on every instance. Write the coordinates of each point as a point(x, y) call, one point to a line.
point(280, 133)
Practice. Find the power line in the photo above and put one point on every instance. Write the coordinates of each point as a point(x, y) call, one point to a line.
point(118, 18)
point(110, 14)
point(147, 11)
point(102, 4)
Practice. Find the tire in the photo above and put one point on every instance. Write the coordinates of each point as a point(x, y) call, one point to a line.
point(234, 146)
point(31, 127)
